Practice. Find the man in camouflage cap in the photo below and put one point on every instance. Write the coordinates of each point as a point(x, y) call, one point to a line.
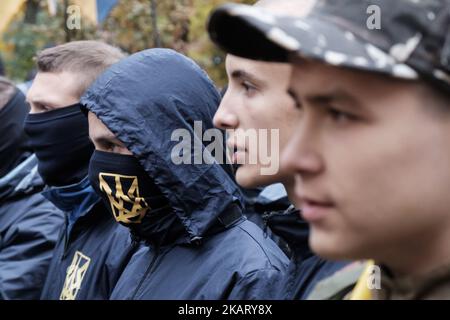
point(371, 151)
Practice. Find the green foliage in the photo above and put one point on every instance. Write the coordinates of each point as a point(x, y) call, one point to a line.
point(26, 39)
point(200, 48)
point(180, 26)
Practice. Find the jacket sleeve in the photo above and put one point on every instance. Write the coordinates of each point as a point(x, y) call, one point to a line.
point(27, 246)
point(261, 284)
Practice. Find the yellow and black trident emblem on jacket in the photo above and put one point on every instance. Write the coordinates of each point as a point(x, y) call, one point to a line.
point(74, 276)
point(123, 194)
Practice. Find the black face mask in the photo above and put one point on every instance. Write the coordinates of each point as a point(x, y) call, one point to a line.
point(128, 192)
point(60, 139)
point(12, 137)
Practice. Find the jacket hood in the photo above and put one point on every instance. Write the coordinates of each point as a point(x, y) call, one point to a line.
point(143, 99)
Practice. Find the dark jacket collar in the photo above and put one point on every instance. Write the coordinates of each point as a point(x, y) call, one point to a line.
point(289, 226)
point(75, 200)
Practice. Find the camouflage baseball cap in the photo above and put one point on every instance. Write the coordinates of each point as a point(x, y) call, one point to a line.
point(407, 39)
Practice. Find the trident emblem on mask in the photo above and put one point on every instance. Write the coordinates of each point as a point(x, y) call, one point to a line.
point(123, 194)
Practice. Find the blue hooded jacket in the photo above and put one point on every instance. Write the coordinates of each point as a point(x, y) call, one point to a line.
point(29, 228)
point(213, 252)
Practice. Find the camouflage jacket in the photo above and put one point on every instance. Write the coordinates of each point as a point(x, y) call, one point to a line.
point(340, 286)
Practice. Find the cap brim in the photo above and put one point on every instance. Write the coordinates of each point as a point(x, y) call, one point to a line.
point(254, 33)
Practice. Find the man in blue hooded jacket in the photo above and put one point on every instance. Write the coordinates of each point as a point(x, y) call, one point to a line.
point(29, 224)
point(92, 249)
point(198, 244)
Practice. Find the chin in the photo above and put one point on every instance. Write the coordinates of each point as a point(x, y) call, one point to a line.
point(328, 247)
point(250, 177)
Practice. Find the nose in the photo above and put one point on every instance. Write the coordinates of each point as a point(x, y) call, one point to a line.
point(301, 156)
point(29, 98)
point(225, 118)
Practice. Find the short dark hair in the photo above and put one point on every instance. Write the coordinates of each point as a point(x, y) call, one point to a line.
point(7, 90)
point(87, 58)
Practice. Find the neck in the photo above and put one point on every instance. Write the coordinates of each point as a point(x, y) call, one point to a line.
point(420, 257)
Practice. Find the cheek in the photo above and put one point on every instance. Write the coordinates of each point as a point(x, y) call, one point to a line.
point(381, 176)
point(291, 118)
point(277, 112)
point(254, 122)
point(366, 174)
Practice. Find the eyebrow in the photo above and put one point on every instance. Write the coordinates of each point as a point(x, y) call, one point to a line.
point(104, 137)
point(244, 75)
point(333, 96)
point(336, 95)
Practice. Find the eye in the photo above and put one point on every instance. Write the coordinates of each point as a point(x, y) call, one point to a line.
point(43, 108)
point(295, 99)
point(117, 149)
point(107, 146)
point(249, 88)
point(298, 104)
point(341, 116)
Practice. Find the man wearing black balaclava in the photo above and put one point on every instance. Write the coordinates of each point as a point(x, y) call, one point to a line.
point(92, 250)
point(29, 224)
point(196, 242)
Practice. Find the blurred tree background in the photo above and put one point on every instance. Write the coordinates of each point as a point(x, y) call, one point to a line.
point(132, 25)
